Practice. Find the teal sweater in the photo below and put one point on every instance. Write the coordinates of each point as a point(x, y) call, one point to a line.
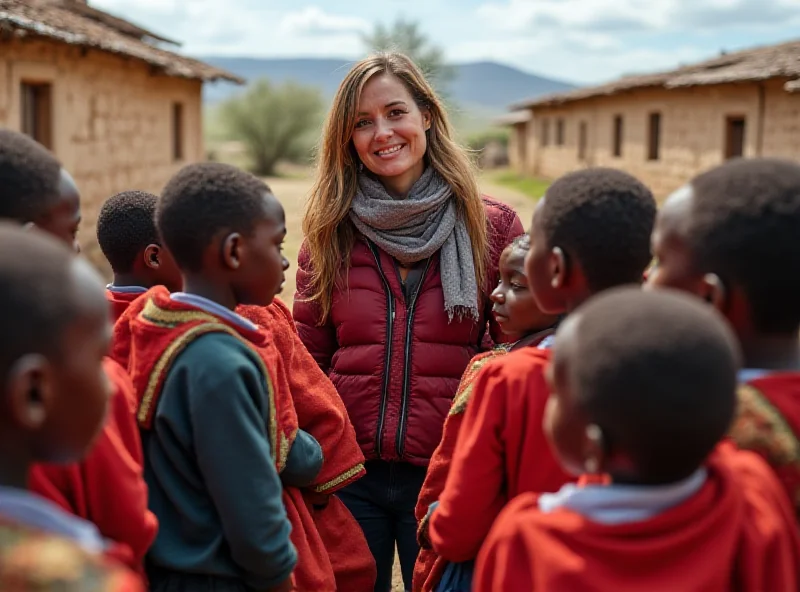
point(213, 484)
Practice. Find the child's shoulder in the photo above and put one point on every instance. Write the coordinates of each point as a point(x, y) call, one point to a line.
point(34, 560)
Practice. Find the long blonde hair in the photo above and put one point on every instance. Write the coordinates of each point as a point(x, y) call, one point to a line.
point(326, 224)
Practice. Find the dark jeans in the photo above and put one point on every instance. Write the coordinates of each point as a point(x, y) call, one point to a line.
point(383, 502)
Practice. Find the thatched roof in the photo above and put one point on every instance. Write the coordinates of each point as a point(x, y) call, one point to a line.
point(751, 65)
point(76, 23)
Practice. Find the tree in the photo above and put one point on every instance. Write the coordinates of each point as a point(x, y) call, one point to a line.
point(273, 122)
point(406, 37)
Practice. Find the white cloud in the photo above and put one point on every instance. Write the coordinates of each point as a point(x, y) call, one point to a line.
point(312, 20)
point(635, 15)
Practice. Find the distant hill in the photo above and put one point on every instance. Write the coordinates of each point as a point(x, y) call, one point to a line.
point(480, 89)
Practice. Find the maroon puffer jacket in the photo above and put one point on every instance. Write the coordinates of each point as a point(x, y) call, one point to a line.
point(397, 364)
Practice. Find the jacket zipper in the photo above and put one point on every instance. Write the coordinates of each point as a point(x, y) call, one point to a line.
point(411, 308)
point(389, 330)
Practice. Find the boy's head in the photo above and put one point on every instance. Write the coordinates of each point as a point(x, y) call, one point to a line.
point(225, 226)
point(514, 308)
point(127, 234)
point(590, 232)
point(732, 237)
point(34, 189)
point(56, 331)
point(643, 386)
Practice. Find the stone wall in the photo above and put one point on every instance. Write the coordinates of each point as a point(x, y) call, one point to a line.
point(112, 118)
point(693, 131)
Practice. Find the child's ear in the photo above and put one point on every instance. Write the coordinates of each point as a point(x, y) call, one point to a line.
point(594, 450)
point(30, 391)
point(558, 267)
point(152, 256)
point(232, 247)
point(714, 292)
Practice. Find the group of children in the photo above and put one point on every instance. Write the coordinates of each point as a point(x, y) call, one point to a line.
point(625, 438)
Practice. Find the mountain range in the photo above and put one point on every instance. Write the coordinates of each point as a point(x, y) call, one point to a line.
point(480, 90)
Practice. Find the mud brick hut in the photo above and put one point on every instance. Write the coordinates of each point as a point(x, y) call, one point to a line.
point(116, 105)
point(666, 127)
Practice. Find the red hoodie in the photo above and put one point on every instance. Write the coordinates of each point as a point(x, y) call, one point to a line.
point(736, 533)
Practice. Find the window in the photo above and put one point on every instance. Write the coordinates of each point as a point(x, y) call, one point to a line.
point(545, 139)
point(654, 137)
point(37, 112)
point(734, 137)
point(617, 134)
point(560, 132)
point(582, 140)
point(177, 131)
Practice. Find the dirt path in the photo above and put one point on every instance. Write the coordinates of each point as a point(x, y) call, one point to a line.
point(292, 194)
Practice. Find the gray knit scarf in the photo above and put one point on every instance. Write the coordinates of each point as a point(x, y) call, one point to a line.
point(414, 228)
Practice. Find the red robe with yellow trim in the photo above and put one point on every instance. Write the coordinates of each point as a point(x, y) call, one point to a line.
point(119, 302)
point(151, 333)
point(107, 487)
point(768, 423)
point(502, 451)
point(736, 533)
point(429, 564)
point(321, 412)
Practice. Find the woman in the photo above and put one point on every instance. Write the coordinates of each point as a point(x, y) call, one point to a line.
point(393, 284)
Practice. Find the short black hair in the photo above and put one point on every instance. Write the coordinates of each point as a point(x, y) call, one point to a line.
point(656, 371)
point(35, 301)
point(127, 225)
point(29, 177)
point(603, 218)
point(200, 201)
point(520, 245)
point(745, 227)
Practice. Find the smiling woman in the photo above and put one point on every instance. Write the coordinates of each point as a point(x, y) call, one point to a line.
point(393, 284)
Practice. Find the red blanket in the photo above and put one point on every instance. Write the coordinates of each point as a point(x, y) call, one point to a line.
point(107, 487)
point(429, 565)
point(502, 451)
point(736, 533)
point(119, 302)
point(768, 423)
point(321, 413)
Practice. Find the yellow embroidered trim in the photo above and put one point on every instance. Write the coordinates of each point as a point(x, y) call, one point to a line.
point(286, 446)
point(172, 318)
point(168, 318)
point(759, 426)
point(346, 476)
point(464, 395)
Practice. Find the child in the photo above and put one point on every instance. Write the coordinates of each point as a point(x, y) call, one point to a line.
point(589, 233)
point(107, 486)
point(643, 389)
point(36, 190)
point(520, 320)
point(216, 433)
point(731, 238)
point(330, 545)
point(55, 334)
point(126, 232)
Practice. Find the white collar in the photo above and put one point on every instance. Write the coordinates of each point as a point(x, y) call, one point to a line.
point(214, 308)
point(32, 510)
point(621, 504)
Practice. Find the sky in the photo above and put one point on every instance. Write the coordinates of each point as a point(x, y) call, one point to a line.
point(580, 41)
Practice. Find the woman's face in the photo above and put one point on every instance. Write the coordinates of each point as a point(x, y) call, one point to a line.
point(389, 134)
